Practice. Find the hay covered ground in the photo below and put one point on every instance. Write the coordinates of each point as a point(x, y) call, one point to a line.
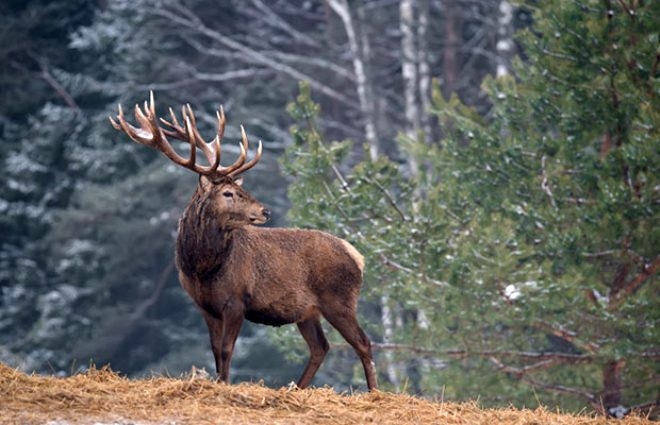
point(102, 397)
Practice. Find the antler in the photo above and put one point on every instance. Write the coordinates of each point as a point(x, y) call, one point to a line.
point(150, 133)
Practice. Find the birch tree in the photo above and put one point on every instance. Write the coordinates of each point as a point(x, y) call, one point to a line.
point(505, 44)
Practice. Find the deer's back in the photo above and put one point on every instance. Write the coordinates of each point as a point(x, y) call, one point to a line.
point(302, 260)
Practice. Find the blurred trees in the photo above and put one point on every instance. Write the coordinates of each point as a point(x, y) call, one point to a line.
point(468, 237)
point(87, 242)
point(37, 120)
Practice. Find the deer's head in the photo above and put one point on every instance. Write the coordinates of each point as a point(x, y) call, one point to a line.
point(219, 187)
point(233, 205)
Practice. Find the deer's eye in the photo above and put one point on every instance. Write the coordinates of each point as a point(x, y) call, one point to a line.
point(228, 194)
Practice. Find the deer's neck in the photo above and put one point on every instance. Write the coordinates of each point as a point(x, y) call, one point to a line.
point(204, 241)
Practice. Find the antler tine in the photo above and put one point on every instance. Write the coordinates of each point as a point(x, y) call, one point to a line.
point(221, 121)
point(173, 115)
point(115, 124)
point(191, 138)
point(145, 121)
point(152, 104)
point(158, 139)
point(122, 125)
point(198, 137)
point(243, 167)
point(250, 163)
point(216, 142)
point(175, 129)
point(174, 125)
point(228, 171)
point(138, 135)
point(210, 149)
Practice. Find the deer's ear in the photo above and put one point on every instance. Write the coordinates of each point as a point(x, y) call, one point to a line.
point(238, 181)
point(205, 183)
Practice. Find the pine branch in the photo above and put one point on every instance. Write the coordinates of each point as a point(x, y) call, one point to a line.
point(627, 289)
point(591, 398)
point(568, 336)
point(388, 196)
point(565, 358)
point(520, 372)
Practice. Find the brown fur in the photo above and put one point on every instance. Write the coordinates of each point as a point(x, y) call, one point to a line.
point(233, 270)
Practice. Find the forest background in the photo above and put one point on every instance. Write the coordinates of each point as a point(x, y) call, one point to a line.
point(497, 163)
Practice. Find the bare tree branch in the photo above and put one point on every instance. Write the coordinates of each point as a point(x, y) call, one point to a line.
point(205, 76)
point(187, 19)
point(276, 21)
point(46, 75)
point(314, 61)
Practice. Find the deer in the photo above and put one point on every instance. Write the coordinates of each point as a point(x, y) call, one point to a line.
point(234, 270)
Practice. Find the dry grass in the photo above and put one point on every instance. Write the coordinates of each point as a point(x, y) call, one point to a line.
point(103, 397)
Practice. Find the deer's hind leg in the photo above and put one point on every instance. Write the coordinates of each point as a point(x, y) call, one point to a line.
point(312, 332)
point(344, 319)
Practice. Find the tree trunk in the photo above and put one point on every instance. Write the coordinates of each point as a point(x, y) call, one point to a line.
point(386, 315)
point(409, 67)
point(364, 89)
point(424, 70)
point(612, 384)
point(409, 75)
point(505, 46)
point(449, 55)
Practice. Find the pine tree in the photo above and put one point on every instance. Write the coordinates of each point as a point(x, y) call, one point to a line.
point(528, 241)
point(568, 164)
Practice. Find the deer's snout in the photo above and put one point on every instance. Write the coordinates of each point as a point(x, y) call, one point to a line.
point(259, 216)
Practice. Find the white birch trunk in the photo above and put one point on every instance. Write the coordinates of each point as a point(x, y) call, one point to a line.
point(424, 70)
point(409, 67)
point(365, 96)
point(505, 46)
point(387, 316)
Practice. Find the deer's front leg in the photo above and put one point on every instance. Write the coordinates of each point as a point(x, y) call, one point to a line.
point(223, 332)
point(216, 334)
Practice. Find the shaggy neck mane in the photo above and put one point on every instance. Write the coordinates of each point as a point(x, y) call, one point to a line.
point(204, 238)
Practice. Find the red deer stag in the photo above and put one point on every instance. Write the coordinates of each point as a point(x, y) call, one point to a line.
point(234, 270)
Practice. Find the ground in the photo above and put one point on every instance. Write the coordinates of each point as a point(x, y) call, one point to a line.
point(102, 397)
